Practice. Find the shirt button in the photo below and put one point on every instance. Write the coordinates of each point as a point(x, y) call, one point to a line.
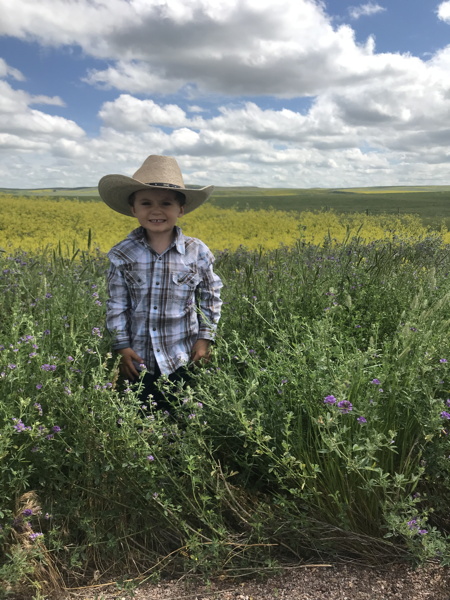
point(155, 307)
point(154, 328)
point(157, 283)
point(160, 258)
point(158, 350)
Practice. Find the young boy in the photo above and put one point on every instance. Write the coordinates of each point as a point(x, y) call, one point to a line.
point(164, 297)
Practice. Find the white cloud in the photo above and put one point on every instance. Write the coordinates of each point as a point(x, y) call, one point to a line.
point(130, 114)
point(365, 10)
point(443, 11)
point(229, 47)
point(8, 71)
point(193, 108)
point(373, 118)
point(134, 77)
point(30, 138)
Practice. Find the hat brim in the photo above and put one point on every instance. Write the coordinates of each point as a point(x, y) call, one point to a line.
point(115, 190)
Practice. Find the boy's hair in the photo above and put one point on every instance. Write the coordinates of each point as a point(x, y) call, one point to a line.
point(179, 197)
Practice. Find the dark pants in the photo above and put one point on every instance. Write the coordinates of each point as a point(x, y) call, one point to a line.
point(165, 400)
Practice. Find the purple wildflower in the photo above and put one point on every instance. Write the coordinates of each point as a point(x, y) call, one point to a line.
point(20, 426)
point(345, 406)
point(35, 536)
point(376, 381)
point(39, 386)
point(443, 360)
point(38, 407)
point(361, 420)
point(56, 428)
point(329, 399)
point(445, 415)
point(27, 512)
point(150, 458)
point(48, 367)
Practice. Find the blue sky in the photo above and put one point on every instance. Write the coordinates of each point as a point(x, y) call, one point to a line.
point(274, 93)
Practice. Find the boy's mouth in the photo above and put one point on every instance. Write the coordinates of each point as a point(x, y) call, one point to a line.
point(157, 220)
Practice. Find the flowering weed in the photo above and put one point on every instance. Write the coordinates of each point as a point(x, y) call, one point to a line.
point(321, 426)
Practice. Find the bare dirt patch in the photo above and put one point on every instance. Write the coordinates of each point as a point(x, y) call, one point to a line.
point(305, 582)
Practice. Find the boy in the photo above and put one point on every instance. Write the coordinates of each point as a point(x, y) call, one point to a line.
point(164, 297)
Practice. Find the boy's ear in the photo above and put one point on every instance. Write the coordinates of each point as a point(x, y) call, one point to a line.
point(181, 211)
point(133, 210)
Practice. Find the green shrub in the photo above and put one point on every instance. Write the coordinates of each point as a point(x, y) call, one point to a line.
point(320, 428)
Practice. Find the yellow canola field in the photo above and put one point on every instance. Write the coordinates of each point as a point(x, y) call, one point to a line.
point(32, 224)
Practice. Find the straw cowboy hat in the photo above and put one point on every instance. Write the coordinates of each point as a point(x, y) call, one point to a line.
point(155, 173)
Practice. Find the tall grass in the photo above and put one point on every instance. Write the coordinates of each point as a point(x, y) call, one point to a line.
point(319, 430)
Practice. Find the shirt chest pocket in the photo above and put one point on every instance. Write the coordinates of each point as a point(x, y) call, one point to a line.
point(135, 280)
point(182, 287)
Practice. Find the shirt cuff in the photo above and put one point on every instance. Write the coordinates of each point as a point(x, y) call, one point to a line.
point(206, 334)
point(121, 345)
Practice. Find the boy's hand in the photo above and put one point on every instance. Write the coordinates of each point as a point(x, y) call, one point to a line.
point(126, 366)
point(201, 351)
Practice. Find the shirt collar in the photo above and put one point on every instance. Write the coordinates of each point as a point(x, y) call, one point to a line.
point(179, 241)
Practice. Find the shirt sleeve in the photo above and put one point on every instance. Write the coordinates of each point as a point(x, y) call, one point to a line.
point(209, 301)
point(118, 309)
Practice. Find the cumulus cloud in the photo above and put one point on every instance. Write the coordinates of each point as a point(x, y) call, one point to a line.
point(365, 10)
point(231, 47)
point(130, 114)
point(443, 11)
point(31, 137)
point(182, 73)
point(134, 77)
point(17, 116)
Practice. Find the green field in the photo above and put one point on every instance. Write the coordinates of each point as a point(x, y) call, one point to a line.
point(431, 203)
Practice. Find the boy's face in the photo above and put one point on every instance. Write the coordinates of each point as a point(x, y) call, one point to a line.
point(157, 211)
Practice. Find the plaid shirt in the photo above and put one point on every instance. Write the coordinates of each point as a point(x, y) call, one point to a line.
point(161, 304)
